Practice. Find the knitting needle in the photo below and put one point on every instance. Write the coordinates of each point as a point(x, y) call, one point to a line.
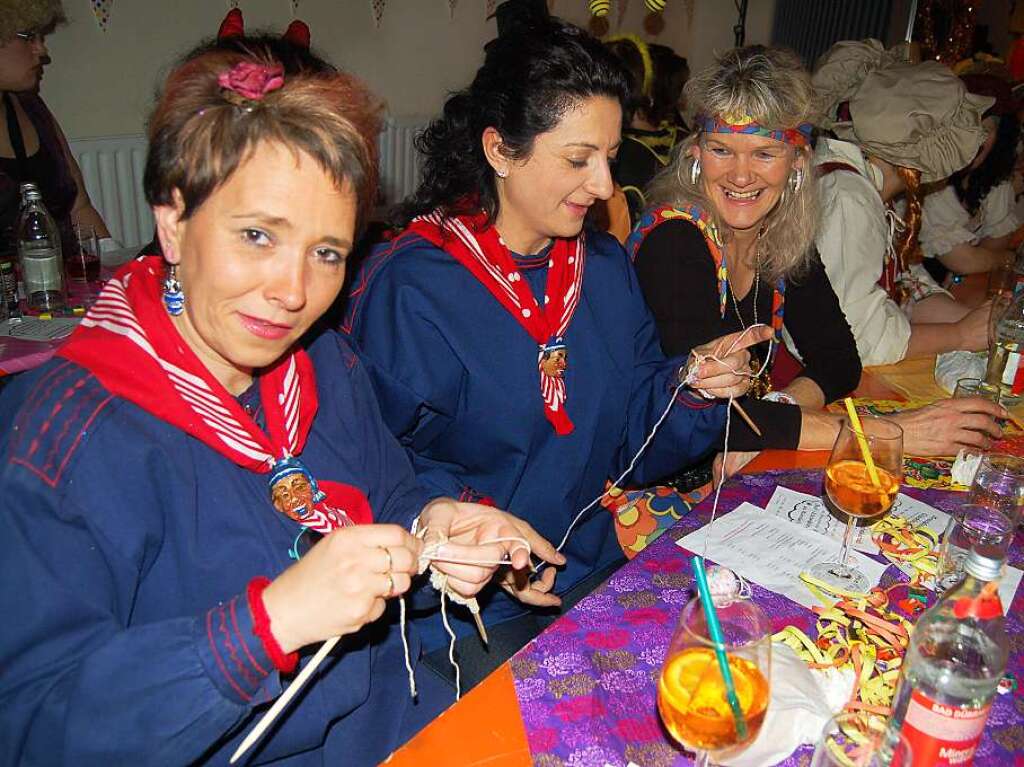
point(282, 702)
point(474, 608)
point(743, 414)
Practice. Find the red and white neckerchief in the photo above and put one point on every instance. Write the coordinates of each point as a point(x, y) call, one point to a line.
point(477, 246)
point(129, 343)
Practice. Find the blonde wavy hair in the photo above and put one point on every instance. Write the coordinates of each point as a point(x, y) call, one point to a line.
point(28, 16)
point(772, 86)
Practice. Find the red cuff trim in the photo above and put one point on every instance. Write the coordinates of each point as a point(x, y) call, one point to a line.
point(261, 627)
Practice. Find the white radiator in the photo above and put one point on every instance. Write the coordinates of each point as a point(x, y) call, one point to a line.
point(113, 166)
point(399, 162)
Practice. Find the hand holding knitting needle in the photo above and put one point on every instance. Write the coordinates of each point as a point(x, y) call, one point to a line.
point(341, 584)
point(723, 365)
point(466, 542)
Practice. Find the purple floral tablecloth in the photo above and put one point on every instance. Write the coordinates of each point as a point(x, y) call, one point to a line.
point(586, 687)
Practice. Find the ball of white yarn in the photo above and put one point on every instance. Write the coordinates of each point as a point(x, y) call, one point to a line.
point(723, 584)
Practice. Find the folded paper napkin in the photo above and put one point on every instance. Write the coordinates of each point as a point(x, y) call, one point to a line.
point(952, 366)
point(802, 701)
point(965, 467)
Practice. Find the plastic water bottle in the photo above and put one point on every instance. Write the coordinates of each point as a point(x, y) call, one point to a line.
point(957, 656)
point(39, 253)
point(1005, 368)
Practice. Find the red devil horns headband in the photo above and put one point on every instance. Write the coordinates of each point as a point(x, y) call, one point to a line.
point(297, 34)
point(234, 26)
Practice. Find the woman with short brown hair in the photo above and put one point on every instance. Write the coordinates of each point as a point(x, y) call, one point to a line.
point(196, 437)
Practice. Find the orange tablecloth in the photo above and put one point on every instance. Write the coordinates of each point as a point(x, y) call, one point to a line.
point(484, 728)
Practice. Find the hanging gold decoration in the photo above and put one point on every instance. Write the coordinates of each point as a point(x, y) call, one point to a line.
point(956, 43)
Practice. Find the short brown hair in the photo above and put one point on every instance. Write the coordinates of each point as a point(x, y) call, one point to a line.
point(199, 133)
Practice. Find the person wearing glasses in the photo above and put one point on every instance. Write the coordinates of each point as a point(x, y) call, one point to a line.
point(32, 145)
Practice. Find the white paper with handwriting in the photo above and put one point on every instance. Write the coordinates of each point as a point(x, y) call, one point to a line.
point(919, 513)
point(809, 511)
point(771, 551)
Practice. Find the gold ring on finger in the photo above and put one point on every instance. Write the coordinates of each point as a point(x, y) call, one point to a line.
point(391, 586)
point(388, 560)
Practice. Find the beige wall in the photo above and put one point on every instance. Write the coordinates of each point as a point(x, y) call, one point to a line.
point(101, 84)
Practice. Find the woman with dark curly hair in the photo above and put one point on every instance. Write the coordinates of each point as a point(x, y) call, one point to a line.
point(511, 350)
point(967, 224)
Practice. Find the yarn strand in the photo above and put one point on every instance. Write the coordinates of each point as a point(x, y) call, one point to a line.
point(686, 381)
point(433, 556)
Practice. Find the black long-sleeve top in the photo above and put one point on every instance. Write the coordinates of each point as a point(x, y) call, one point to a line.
point(677, 276)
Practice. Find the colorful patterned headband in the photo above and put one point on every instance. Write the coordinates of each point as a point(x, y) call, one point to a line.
point(799, 136)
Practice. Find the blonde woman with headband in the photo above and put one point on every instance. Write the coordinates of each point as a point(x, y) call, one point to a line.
point(730, 243)
point(898, 126)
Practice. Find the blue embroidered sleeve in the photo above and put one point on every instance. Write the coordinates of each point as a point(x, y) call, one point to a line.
point(165, 690)
point(125, 550)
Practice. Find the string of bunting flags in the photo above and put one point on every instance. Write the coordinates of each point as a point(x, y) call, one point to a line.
point(103, 9)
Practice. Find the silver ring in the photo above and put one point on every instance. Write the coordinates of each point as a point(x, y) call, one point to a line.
point(391, 586)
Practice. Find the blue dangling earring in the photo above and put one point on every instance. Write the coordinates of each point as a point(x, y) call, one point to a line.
point(174, 299)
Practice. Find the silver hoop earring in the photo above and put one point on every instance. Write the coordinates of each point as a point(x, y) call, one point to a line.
point(796, 180)
point(695, 171)
point(174, 298)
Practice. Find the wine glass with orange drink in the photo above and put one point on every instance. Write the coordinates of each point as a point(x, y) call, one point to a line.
point(862, 479)
point(693, 698)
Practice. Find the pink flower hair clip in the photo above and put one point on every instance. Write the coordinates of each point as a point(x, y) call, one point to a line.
point(249, 81)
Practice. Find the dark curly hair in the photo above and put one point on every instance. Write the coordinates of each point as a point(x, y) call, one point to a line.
point(530, 77)
point(996, 168)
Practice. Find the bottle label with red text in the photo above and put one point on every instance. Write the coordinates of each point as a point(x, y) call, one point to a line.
point(941, 735)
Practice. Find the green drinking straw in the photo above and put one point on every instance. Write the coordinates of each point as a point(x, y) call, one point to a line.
point(715, 630)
